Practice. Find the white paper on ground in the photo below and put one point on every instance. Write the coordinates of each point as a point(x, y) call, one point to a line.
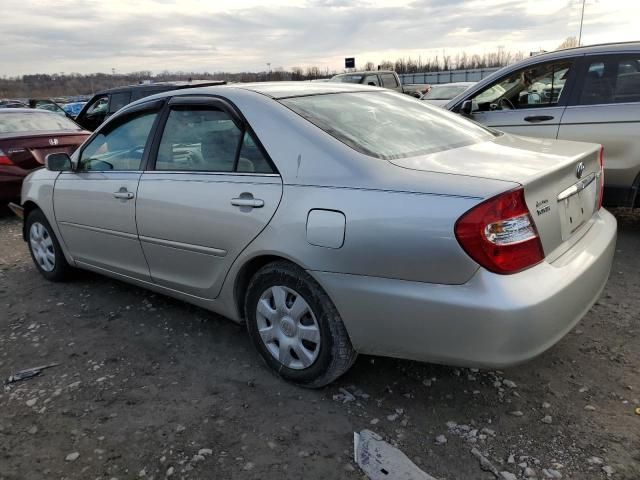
point(381, 461)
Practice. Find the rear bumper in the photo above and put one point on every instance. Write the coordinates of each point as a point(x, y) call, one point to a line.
point(491, 321)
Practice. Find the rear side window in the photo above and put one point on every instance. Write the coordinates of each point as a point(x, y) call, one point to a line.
point(387, 125)
point(388, 80)
point(615, 79)
point(13, 122)
point(119, 100)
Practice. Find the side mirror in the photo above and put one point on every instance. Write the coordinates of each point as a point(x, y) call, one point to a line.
point(372, 84)
point(466, 107)
point(58, 162)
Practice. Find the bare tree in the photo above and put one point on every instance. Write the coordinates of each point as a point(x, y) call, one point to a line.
point(569, 42)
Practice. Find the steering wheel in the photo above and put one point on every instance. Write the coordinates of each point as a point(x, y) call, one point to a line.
point(505, 102)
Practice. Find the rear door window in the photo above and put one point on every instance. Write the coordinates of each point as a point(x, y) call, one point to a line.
point(371, 80)
point(199, 139)
point(611, 79)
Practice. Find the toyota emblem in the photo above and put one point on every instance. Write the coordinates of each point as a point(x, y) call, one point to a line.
point(53, 141)
point(580, 170)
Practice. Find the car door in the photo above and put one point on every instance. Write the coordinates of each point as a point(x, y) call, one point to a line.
point(529, 101)
point(605, 108)
point(95, 204)
point(94, 113)
point(211, 191)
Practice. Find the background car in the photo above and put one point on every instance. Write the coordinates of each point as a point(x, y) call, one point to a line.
point(380, 78)
point(587, 93)
point(439, 94)
point(13, 104)
point(334, 219)
point(104, 104)
point(27, 136)
point(73, 108)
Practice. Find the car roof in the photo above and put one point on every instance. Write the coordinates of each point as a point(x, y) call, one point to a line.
point(277, 90)
point(364, 72)
point(588, 49)
point(171, 85)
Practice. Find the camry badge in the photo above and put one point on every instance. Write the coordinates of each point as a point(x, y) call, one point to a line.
point(580, 170)
point(54, 141)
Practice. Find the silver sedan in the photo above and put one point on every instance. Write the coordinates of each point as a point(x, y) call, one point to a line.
point(334, 220)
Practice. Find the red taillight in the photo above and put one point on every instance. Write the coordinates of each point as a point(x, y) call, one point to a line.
point(500, 234)
point(600, 197)
point(4, 160)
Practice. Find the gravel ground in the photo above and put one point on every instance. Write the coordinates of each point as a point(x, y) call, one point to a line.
point(150, 387)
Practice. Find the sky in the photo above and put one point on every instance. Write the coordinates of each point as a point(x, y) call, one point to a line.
point(86, 36)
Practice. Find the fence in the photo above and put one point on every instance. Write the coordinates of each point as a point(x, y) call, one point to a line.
point(447, 76)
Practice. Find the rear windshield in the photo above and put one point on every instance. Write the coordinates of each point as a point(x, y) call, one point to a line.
point(15, 122)
point(347, 78)
point(387, 125)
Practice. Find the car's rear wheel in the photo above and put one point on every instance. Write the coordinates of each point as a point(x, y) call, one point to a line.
point(296, 327)
point(45, 249)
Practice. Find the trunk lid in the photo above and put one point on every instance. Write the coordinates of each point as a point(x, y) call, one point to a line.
point(29, 150)
point(561, 202)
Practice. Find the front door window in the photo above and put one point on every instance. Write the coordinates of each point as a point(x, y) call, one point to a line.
point(119, 147)
point(532, 87)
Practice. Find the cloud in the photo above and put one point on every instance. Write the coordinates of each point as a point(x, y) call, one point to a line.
point(91, 36)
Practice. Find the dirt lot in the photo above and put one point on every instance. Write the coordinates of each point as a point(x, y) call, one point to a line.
point(146, 382)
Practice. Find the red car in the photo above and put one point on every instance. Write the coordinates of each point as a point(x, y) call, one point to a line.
point(27, 136)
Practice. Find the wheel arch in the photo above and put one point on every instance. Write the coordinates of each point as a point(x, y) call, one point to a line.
point(246, 273)
point(29, 206)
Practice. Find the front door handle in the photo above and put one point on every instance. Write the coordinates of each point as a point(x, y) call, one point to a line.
point(538, 118)
point(247, 202)
point(123, 195)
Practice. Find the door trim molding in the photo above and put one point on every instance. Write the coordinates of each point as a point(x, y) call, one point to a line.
point(216, 252)
point(115, 233)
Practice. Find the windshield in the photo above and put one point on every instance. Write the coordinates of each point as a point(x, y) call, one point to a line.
point(347, 78)
point(387, 125)
point(14, 122)
point(444, 92)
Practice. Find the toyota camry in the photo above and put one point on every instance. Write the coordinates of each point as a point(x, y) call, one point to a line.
point(333, 219)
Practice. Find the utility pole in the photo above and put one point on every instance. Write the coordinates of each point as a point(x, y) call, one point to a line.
point(269, 68)
point(581, 20)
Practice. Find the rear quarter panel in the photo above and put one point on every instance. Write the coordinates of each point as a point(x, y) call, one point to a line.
point(407, 236)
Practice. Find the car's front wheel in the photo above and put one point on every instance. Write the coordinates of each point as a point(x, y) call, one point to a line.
point(45, 249)
point(296, 327)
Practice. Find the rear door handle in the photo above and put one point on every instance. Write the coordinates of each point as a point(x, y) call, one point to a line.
point(123, 195)
point(247, 202)
point(538, 118)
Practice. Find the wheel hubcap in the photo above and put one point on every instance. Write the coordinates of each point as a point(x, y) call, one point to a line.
point(42, 247)
point(288, 327)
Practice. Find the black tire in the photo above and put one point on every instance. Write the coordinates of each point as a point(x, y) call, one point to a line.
point(61, 270)
point(336, 353)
